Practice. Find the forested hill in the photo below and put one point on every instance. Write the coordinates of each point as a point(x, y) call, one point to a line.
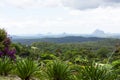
point(69, 39)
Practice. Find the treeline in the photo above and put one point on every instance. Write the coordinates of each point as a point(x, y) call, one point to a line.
point(98, 50)
point(69, 39)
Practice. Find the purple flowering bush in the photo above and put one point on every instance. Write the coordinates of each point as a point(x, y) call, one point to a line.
point(5, 46)
point(7, 53)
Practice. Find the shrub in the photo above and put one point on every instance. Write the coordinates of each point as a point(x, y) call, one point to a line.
point(3, 34)
point(58, 71)
point(116, 67)
point(5, 46)
point(5, 66)
point(26, 68)
point(93, 72)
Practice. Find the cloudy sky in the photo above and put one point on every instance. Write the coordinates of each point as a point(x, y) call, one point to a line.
point(57, 16)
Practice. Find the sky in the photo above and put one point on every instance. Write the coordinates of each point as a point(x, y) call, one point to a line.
point(20, 17)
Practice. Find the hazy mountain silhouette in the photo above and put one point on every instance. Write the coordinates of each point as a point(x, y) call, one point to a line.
point(96, 33)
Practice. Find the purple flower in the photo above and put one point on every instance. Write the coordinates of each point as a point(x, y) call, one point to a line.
point(11, 53)
point(6, 50)
point(1, 53)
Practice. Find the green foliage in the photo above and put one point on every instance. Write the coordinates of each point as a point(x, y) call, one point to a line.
point(116, 67)
point(5, 66)
point(76, 54)
point(3, 34)
point(95, 72)
point(47, 56)
point(103, 52)
point(116, 64)
point(58, 71)
point(26, 68)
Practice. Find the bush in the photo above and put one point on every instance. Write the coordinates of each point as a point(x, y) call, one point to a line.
point(95, 72)
point(3, 34)
point(58, 71)
point(116, 66)
point(26, 68)
point(5, 66)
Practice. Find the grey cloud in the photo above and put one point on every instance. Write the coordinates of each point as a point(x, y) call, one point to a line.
point(90, 4)
point(81, 4)
point(115, 1)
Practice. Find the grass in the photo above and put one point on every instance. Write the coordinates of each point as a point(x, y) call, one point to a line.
point(13, 77)
point(10, 77)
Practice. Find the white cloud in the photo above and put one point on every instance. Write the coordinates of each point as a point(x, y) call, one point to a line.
point(75, 12)
point(58, 20)
point(74, 22)
point(30, 3)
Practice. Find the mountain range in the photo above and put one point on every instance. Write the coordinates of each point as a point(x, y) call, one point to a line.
point(97, 33)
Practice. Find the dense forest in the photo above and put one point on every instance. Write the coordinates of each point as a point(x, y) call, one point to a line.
point(69, 58)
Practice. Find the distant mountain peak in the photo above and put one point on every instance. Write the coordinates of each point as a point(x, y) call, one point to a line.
point(98, 32)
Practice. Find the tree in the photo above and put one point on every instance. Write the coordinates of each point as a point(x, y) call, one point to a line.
point(5, 45)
